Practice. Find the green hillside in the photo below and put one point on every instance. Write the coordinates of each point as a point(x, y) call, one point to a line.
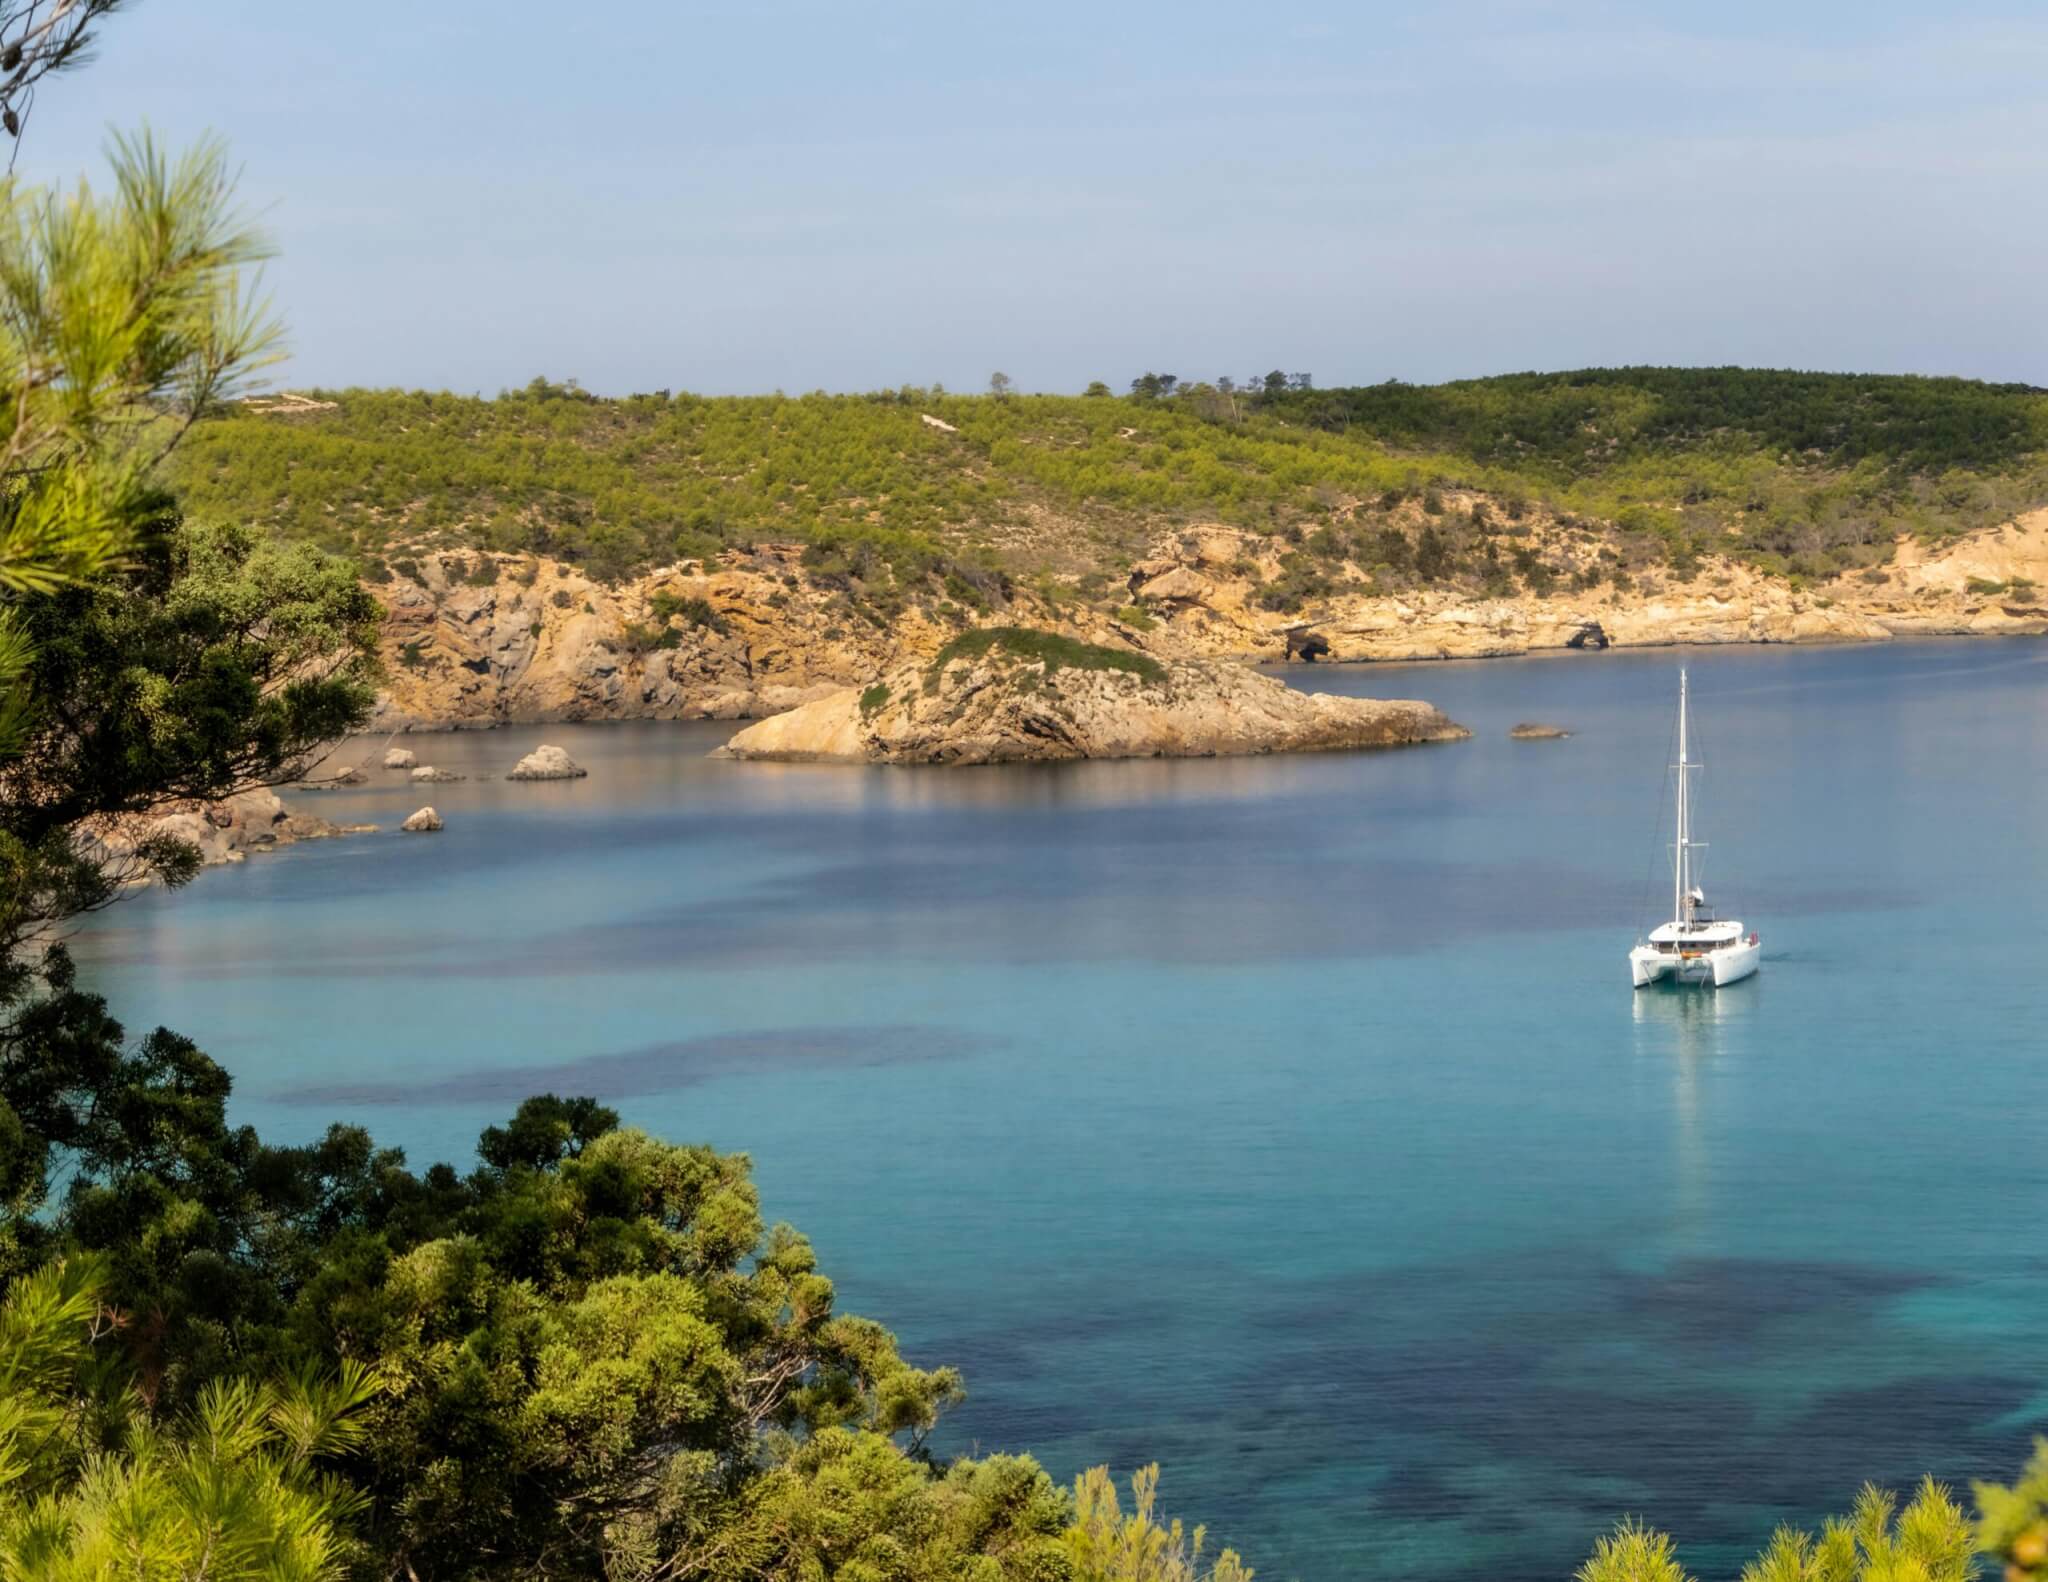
point(1806, 474)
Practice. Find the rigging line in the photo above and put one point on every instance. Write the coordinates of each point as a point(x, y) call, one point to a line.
point(1730, 865)
point(1664, 801)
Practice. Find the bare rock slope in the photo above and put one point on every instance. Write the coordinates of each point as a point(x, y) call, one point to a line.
point(1007, 695)
point(489, 639)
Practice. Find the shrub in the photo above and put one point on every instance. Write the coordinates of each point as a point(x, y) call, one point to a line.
point(1050, 649)
point(695, 610)
point(1435, 559)
point(1300, 580)
point(874, 698)
point(638, 639)
point(1136, 617)
point(964, 592)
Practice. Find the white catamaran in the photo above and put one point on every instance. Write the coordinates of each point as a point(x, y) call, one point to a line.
point(1695, 946)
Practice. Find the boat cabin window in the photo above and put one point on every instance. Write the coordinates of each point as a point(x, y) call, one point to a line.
point(1671, 947)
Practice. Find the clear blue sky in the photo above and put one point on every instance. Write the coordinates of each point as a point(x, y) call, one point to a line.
point(753, 195)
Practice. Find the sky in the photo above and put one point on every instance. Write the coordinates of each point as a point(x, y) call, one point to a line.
point(772, 195)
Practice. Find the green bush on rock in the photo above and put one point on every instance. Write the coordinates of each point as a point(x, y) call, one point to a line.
point(1049, 649)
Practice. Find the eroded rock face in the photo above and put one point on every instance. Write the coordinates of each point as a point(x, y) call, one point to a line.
point(540, 641)
point(425, 822)
point(996, 708)
point(547, 762)
point(1990, 583)
point(750, 633)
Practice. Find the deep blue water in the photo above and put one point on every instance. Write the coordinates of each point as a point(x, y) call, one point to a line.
point(1288, 1121)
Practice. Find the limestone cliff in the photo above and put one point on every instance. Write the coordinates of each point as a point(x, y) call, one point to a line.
point(991, 702)
point(1202, 589)
point(477, 639)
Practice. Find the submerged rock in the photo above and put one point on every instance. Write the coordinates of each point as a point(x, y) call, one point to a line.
point(399, 758)
point(1529, 731)
point(1006, 695)
point(347, 775)
point(547, 762)
point(425, 822)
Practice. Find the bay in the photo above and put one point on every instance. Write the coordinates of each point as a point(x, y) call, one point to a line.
point(1289, 1121)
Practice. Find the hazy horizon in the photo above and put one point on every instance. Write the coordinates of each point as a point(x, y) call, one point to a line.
point(734, 198)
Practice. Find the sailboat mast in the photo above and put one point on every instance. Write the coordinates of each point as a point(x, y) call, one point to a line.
point(1681, 858)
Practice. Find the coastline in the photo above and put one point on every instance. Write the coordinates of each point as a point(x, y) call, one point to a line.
point(520, 641)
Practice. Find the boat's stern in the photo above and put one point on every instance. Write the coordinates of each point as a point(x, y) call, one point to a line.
point(1646, 966)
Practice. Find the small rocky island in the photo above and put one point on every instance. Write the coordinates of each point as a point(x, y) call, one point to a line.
point(1012, 695)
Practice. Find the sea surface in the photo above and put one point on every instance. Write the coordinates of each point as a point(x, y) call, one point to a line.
point(1287, 1121)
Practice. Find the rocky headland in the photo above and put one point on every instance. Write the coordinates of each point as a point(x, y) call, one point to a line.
point(221, 832)
point(1006, 695)
point(477, 639)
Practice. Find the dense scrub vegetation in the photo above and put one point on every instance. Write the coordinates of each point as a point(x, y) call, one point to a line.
point(1806, 473)
point(1050, 649)
point(1580, 422)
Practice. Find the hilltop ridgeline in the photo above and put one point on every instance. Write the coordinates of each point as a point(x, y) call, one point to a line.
point(1797, 474)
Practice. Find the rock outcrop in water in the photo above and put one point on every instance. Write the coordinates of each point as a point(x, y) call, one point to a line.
point(425, 822)
point(1004, 695)
point(221, 832)
point(547, 762)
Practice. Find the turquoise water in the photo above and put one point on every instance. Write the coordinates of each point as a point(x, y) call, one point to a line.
point(1288, 1121)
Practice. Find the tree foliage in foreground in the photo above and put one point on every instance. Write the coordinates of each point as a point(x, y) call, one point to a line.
point(93, 1485)
point(207, 662)
point(123, 319)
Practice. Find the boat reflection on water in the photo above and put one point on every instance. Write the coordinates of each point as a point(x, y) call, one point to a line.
point(1692, 1033)
point(1690, 1024)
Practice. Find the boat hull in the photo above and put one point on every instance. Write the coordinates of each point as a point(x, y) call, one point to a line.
point(1735, 963)
point(1730, 964)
